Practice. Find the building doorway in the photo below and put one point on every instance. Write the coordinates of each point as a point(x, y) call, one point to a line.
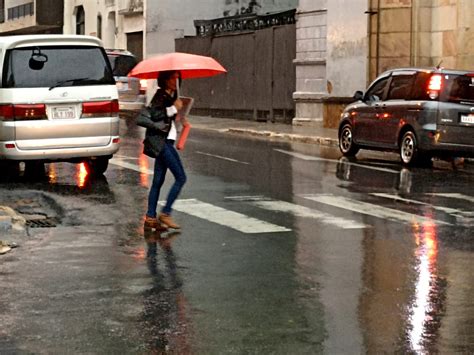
point(135, 44)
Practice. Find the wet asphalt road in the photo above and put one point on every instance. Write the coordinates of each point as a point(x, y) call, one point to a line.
point(285, 249)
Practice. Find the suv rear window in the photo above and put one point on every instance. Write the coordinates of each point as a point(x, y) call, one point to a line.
point(121, 64)
point(458, 88)
point(63, 65)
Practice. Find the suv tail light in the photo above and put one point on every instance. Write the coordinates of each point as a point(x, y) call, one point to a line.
point(22, 112)
point(100, 109)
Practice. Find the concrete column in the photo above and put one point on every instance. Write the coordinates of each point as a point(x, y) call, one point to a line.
point(311, 81)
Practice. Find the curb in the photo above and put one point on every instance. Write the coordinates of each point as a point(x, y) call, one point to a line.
point(276, 135)
point(286, 136)
point(10, 220)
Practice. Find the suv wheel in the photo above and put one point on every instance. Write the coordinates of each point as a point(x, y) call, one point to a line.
point(97, 166)
point(410, 153)
point(346, 143)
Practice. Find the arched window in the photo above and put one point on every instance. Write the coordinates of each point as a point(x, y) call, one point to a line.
point(80, 21)
point(99, 26)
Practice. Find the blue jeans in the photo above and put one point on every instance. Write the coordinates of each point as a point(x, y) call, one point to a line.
point(167, 159)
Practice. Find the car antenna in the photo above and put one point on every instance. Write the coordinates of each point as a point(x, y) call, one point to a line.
point(438, 67)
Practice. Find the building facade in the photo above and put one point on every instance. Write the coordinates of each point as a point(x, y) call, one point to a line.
point(150, 27)
point(31, 16)
point(343, 45)
point(340, 45)
point(119, 23)
point(168, 20)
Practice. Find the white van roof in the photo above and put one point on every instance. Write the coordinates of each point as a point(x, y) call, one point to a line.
point(44, 40)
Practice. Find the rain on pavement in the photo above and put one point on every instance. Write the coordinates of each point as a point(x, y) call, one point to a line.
point(285, 249)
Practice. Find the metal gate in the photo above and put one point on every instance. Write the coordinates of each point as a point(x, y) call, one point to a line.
point(261, 75)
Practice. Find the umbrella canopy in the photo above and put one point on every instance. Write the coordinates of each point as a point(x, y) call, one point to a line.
point(190, 66)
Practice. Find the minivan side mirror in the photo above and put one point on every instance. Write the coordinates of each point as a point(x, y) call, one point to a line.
point(359, 95)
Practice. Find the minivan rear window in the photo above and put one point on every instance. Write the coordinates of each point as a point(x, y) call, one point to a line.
point(49, 66)
point(458, 88)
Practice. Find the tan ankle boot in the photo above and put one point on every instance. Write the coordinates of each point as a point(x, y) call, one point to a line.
point(168, 221)
point(153, 223)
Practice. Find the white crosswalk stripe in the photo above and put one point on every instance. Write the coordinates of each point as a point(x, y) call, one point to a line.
point(224, 217)
point(416, 202)
point(457, 196)
point(300, 211)
point(372, 209)
point(247, 224)
point(130, 166)
point(313, 158)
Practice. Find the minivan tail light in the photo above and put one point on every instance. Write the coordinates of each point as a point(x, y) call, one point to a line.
point(6, 112)
point(22, 112)
point(435, 83)
point(434, 86)
point(100, 108)
point(29, 112)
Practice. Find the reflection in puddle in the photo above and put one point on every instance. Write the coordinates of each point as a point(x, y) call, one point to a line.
point(53, 174)
point(81, 175)
point(144, 164)
point(139, 254)
point(165, 305)
point(425, 306)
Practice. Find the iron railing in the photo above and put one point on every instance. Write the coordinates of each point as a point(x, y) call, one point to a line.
point(239, 23)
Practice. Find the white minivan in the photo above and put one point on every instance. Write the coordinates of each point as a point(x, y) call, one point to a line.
point(58, 101)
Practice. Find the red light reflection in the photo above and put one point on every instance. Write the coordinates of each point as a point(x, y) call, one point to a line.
point(144, 165)
point(53, 175)
point(139, 254)
point(423, 305)
point(81, 175)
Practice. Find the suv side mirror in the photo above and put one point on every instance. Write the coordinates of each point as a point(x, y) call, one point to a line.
point(359, 95)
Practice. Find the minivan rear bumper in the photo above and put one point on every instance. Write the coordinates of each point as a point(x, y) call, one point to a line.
point(9, 150)
point(446, 149)
point(454, 141)
point(452, 150)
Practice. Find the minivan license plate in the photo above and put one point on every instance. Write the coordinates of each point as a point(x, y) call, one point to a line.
point(467, 119)
point(63, 112)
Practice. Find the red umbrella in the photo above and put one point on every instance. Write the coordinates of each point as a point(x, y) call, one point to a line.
point(190, 66)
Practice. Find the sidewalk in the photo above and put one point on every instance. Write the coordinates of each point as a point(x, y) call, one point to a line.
point(315, 134)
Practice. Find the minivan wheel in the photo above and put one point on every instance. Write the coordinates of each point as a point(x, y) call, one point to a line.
point(409, 151)
point(97, 166)
point(346, 143)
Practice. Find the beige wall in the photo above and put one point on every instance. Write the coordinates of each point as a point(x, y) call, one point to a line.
point(452, 33)
point(421, 33)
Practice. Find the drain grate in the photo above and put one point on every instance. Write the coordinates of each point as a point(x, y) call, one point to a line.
point(42, 223)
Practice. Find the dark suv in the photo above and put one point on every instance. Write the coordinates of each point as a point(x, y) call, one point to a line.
point(419, 112)
point(132, 91)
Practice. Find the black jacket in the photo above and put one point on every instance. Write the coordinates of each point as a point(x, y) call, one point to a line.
point(156, 122)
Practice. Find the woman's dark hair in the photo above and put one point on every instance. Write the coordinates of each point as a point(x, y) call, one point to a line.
point(163, 76)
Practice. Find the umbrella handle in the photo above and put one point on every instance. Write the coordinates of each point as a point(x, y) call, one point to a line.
point(177, 88)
